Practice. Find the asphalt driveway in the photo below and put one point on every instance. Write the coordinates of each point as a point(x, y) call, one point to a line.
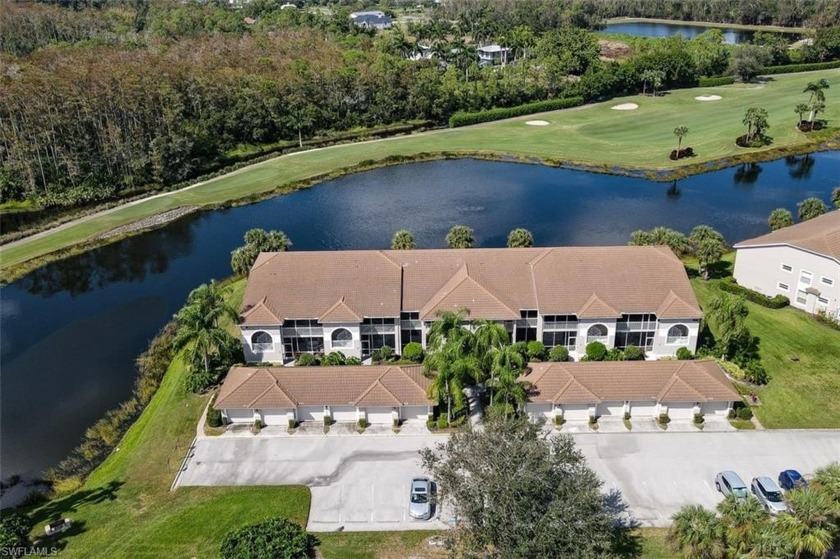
point(361, 483)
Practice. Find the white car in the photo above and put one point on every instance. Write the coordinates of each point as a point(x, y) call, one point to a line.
point(730, 483)
point(420, 498)
point(769, 494)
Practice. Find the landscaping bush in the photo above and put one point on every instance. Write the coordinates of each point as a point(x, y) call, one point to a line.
point(593, 419)
point(14, 531)
point(292, 424)
point(776, 302)
point(732, 369)
point(305, 360)
point(413, 352)
point(383, 354)
point(627, 416)
point(614, 354)
point(733, 414)
point(663, 419)
point(442, 422)
point(536, 351)
point(353, 361)
point(745, 413)
point(596, 351)
point(257, 426)
point(559, 420)
point(465, 119)
point(824, 318)
point(795, 68)
point(698, 418)
point(499, 410)
point(273, 538)
point(214, 416)
point(431, 424)
point(397, 423)
point(558, 353)
point(716, 81)
point(684, 354)
point(633, 353)
point(756, 373)
point(363, 423)
point(333, 359)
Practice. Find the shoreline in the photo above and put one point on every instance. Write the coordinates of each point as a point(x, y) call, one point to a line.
point(711, 24)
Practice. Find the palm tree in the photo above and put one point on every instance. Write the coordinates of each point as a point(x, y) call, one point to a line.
point(708, 246)
point(835, 196)
point(698, 533)
point(452, 370)
point(403, 240)
point(489, 336)
point(460, 236)
point(507, 358)
point(520, 238)
point(680, 132)
point(812, 207)
point(448, 326)
point(768, 544)
point(509, 389)
point(828, 479)
point(743, 521)
point(755, 119)
point(257, 241)
point(780, 218)
point(817, 91)
point(199, 327)
point(810, 525)
point(800, 109)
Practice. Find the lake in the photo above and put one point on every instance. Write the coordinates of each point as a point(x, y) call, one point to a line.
point(658, 30)
point(72, 329)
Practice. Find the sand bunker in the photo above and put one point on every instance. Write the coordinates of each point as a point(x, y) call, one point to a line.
point(537, 123)
point(708, 98)
point(625, 107)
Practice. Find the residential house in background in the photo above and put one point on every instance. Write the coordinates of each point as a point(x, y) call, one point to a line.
point(372, 19)
point(492, 54)
point(359, 301)
point(801, 262)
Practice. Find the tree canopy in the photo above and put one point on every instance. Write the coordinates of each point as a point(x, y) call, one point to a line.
point(275, 538)
point(520, 238)
point(460, 236)
point(257, 241)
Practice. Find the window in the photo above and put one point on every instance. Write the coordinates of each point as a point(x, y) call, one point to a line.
point(566, 338)
point(826, 281)
point(528, 314)
point(678, 334)
point(596, 333)
point(786, 268)
point(560, 322)
point(413, 315)
point(801, 298)
point(822, 300)
point(342, 338)
point(262, 341)
point(783, 286)
point(805, 277)
point(408, 336)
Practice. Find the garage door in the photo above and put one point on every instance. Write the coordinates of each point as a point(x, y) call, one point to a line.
point(414, 412)
point(615, 409)
point(311, 413)
point(575, 412)
point(681, 411)
point(539, 411)
point(642, 409)
point(343, 413)
point(275, 417)
point(715, 408)
point(240, 416)
point(379, 416)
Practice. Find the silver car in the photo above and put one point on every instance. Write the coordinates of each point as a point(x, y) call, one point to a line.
point(770, 495)
point(729, 483)
point(420, 498)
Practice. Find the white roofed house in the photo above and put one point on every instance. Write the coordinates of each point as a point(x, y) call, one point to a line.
point(373, 19)
point(492, 54)
point(801, 262)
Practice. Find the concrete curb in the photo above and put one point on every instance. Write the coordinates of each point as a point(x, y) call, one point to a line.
point(183, 465)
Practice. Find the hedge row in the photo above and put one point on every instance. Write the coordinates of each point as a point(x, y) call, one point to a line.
point(776, 302)
point(465, 119)
point(792, 68)
point(716, 81)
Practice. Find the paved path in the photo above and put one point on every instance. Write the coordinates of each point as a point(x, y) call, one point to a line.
point(361, 483)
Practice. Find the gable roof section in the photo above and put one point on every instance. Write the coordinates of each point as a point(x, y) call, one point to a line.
point(340, 312)
point(259, 314)
point(594, 307)
point(462, 291)
point(595, 382)
point(820, 235)
point(287, 387)
point(675, 307)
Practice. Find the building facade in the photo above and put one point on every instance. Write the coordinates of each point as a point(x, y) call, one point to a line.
point(359, 301)
point(801, 262)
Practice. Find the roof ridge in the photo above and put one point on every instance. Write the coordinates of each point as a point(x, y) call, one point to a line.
point(594, 298)
point(262, 303)
point(340, 303)
point(374, 384)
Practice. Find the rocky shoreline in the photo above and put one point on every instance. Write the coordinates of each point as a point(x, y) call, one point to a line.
point(147, 223)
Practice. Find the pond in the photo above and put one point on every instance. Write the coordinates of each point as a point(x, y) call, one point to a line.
point(72, 329)
point(659, 29)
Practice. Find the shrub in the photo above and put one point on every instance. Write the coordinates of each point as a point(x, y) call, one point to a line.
point(362, 423)
point(627, 416)
point(214, 416)
point(795, 68)
point(684, 354)
point(456, 421)
point(824, 318)
point(333, 359)
point(745, 413)
point(442, 422)
point(558, 353)
point(698, 418)
point(593, 419)
point(276, 537)
point(776, 302)
point(431, 424)
point(733, 414)
point(614, 354)
point(633, 353)
point(559, 419)
point(353, 361)
point(397, 422)
point(499, 410)
point(292, 423)
point(257, 426)
point(536, 350)
point(732, 369)
point(596, 351)
point(413, 351)
point(716, 81)
point(382, 354)
point(756, 373)
point(305, 360)
point(327, 420)
point(465, 119)
point(14, 531)
point(663, 419)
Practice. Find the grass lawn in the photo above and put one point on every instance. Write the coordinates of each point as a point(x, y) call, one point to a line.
point(594, 135)
point(802, 394)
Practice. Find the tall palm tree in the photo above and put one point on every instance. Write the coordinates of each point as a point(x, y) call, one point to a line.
point(403, 240)
point(743, 521)
point(452, 371)
point(697, 533)
point(509, 389)
point(817, 91)
point(489, 335)
point(520, 238)
point(800, 109)
point(768, 544)
point(199, 323)
point(448, 326)
point(810, 525)
point(680, 132)
point(504, 359)
point(460, 236)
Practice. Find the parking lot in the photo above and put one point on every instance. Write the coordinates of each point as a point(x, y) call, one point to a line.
point(361, 483)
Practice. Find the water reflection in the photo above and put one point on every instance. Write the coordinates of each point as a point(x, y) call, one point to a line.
point(800, 166)
point(747, 174)
point(674, 191)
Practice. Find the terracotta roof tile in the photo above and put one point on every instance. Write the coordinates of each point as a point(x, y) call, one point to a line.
point(340, 312)
point(260, 313)
point(596, 308)
point(463, 292)
point(820, 235)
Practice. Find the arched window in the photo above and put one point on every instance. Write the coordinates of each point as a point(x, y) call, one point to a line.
point(262, 341)
point(678, 334)
point(596, 333)
point(342, 338)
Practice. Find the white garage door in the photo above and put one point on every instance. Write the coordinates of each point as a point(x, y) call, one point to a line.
point(639, 410)
point(240, 416)
point(275, 417)
point(414, 412)
point(614, 409)
point(343, 413)
point(540, 411)
point(715, 408)
point(310, 413)
point(681, 411)
point(379, 416)
point(575, 412)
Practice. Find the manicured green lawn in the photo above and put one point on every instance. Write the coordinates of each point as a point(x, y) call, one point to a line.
point(594, 135)
point(802, 393)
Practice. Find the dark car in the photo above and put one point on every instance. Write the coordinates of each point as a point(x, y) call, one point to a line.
point(791, 479)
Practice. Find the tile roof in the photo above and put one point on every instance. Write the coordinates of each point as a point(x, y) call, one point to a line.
point(494, 283)
point(610, 381)
point(340, 312)
point(286, 387)
point(820, 234)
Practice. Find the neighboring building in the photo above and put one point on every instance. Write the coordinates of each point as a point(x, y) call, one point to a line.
point(372, 19)
point(358, 301)
point(801, 262)
point(644, 389)
point(276, 395)
point(492, 54)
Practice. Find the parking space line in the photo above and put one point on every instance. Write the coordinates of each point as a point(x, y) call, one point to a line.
point(372, 500)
